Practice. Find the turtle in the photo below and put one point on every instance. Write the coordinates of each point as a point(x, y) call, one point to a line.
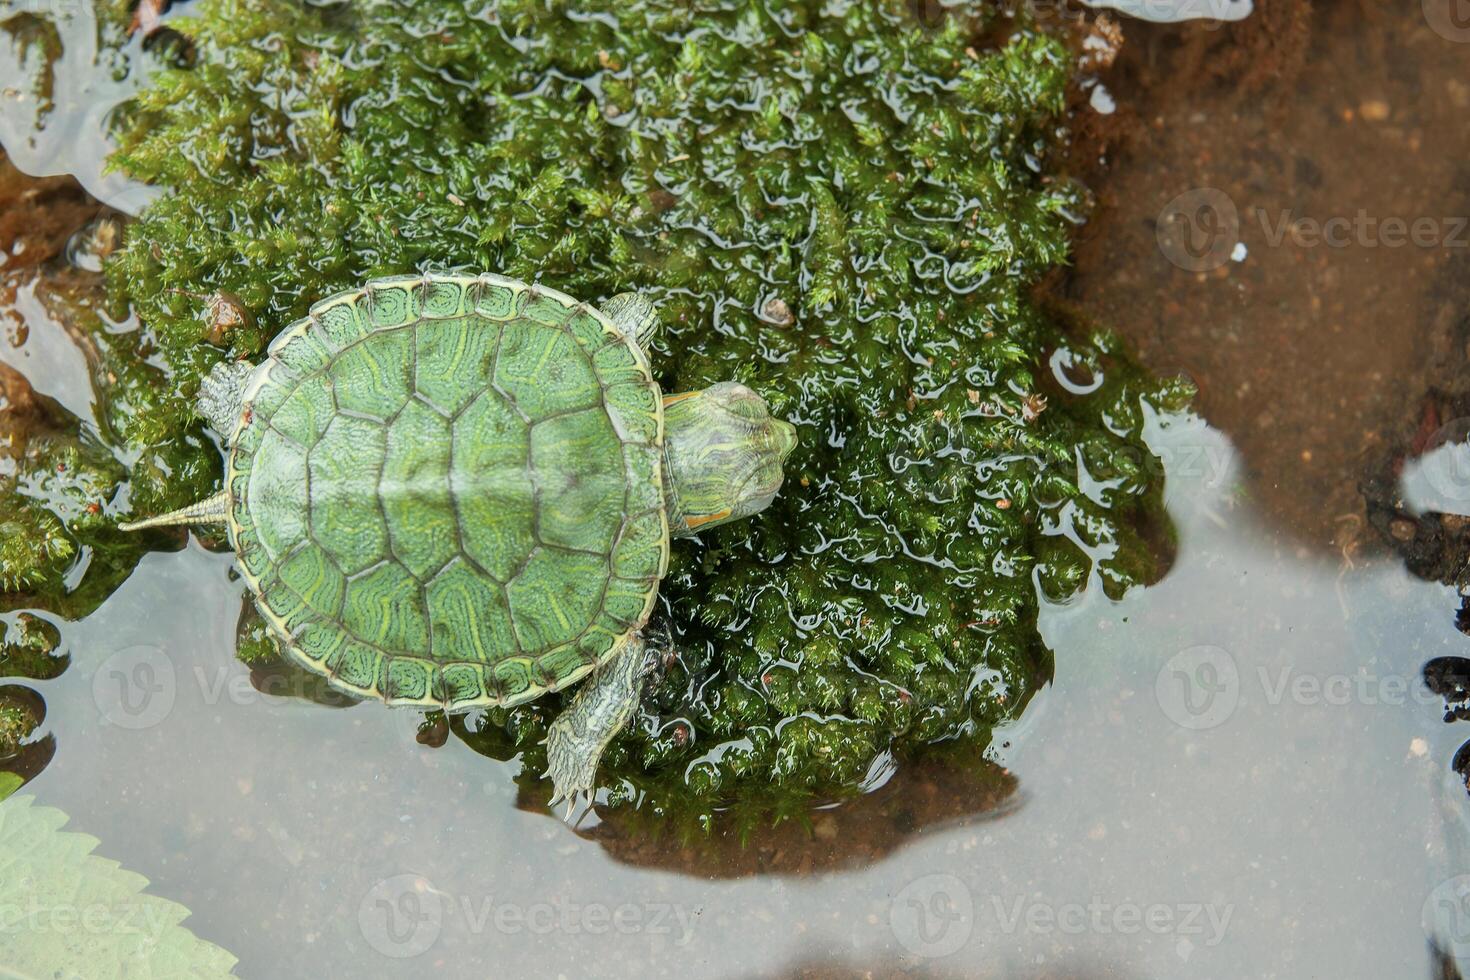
point(457, 492)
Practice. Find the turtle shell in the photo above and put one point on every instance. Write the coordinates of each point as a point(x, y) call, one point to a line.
point(447, 490)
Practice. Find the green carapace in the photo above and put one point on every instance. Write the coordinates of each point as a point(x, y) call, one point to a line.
point(458, 491)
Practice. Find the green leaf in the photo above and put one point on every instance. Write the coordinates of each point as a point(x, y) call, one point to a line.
point(67, 914)
point(9, 783)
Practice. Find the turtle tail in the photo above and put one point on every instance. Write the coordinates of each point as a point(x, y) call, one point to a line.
point(212, 510)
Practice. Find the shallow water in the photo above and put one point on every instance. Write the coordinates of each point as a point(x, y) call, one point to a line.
point(1277, 821)
point(1237, 771)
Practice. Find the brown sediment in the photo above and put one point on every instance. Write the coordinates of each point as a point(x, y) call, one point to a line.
point(1311, 357)
point(38, 215)
point(21, 412)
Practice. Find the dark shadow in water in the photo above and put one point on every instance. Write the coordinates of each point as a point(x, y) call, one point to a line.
point(920, 798)
point(1442, 964)
point(922, 969)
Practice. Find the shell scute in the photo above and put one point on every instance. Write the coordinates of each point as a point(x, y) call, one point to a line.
point(276, 382)
point(465, 684)
point(394, 301)
point(446, 296)
point(544, 371)
point(355, 666)
point(494, 497)
point(407, 680)
point(423, 536)
point(305, 414)
point(301, 349)
point(278, 495)
point(384, 605)
point(312, 578)
point(452, 359)
point(343, 469)
point(511, 679)
point(375, 377)
point(342, 319)
point(495, 297)
point(547, 306)
point(576, 465)
point(633, 409)
point(317, 642)
point(627, 600)
point(617, 364)
point(554, 595)
point(469, 615)
point(641, 545)
point(591, 331)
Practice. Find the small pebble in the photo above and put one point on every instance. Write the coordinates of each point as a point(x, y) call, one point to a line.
point(1374, 110)
point(778, 312)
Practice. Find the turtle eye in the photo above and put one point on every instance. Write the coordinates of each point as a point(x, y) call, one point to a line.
point(740, 401)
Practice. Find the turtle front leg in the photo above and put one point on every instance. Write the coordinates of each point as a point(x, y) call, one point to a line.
point(601, 709)
point(635, 316)
point(222, 395)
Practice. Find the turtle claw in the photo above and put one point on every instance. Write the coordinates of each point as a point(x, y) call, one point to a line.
point(579, 804)
point(571, 768)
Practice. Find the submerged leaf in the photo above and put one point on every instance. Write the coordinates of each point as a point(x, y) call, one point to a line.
point(65, 913)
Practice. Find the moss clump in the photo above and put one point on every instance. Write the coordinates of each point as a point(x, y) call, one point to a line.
point(28, 649)
point(19, 716)
point(835, 203)
point(65, 481)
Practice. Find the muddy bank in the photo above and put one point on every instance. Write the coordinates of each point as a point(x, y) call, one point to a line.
point(1316, 320)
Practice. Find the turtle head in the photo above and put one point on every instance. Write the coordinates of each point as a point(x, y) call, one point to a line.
point(723, 455)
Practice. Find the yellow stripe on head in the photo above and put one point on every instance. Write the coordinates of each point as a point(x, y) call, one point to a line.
point(694, 522)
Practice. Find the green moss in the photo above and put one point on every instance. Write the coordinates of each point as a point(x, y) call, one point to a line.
point(830, 201)
point(18, 718)
point(28, 649)
point(65, 482)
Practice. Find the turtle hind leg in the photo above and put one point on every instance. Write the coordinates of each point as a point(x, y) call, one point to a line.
point(222, 396)
point(602, 708)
